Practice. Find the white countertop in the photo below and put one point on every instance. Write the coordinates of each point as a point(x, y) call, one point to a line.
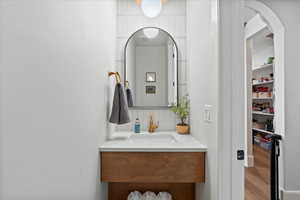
point(152, 142)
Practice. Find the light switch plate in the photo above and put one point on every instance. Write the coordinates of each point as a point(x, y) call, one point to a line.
point(208, 118)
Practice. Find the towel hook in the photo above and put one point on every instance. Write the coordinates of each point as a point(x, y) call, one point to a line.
point(126, 84)
point(117, 76)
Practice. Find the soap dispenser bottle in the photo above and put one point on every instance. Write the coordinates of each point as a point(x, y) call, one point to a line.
point(137, 126)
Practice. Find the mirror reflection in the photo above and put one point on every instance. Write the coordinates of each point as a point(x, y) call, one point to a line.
point(151, 68)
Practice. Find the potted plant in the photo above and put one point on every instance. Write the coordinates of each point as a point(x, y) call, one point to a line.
point(182, 110)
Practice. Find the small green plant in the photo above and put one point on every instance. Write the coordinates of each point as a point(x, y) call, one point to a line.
point(182, 109)
point(271, 60)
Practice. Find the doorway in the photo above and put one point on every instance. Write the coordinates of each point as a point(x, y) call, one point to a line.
point(233, 94)
point(264, 97)
point(260, 112)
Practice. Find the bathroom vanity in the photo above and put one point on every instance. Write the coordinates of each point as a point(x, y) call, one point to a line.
point(163, 161)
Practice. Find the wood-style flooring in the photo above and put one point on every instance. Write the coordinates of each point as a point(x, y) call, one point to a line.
point(257, 178)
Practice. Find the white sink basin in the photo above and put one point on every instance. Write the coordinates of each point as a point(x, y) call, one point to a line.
point(167, 141)
point(148, 137)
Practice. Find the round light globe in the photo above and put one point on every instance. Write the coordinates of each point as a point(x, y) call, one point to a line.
point(150, 32)
point(151, 8)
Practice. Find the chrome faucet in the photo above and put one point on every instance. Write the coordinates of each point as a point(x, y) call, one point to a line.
point(152, 126)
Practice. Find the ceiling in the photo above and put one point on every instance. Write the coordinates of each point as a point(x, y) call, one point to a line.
point(248, 14)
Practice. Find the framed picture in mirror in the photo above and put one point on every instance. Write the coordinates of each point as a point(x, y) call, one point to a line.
point(150, 89)
point(151, 77)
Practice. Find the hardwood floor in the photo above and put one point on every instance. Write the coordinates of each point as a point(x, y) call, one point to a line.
point(257, 178)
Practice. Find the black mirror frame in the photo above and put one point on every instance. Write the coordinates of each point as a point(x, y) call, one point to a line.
point(177, 62)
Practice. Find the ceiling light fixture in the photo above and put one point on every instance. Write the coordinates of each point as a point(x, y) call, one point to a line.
point(151, 8)
point(139, 1)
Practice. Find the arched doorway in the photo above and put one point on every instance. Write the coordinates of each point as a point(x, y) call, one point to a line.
point(264, 23)
point(279, 38)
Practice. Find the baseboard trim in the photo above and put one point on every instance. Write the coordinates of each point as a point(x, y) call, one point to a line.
point(290, 195)
point(250, 161)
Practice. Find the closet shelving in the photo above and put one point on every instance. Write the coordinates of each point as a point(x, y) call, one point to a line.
point(262, 87)
point(262, 131)
point(265, 66)
point(262, 98)
point(262, 113)
point(263, 83)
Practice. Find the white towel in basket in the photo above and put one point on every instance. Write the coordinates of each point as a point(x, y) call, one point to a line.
point(149, 196)
point(134, 196)
point(164, 196)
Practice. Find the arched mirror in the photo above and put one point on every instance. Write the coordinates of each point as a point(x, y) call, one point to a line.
point(151, 65)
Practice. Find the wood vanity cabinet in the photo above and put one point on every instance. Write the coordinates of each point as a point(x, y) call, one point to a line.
point(152, 167)
point(176, 172)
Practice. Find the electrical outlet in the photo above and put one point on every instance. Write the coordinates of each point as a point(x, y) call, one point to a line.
point(208, 118)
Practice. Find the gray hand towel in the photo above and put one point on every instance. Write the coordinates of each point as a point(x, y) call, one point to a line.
point(129, 97)
point(119, 113)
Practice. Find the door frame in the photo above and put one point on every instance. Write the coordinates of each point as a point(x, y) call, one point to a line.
point(278, 29)
point(232, 96)
point(231, 99)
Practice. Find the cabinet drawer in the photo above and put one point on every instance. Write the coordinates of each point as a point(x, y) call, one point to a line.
point(138, 167)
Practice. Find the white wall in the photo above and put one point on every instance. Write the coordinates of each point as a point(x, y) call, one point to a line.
point(288, 12)
point(203, 65)
point(254, 24)
point(54, 58)
point(263, 48)
point(151, 59)
point(131, 69)
point(172, 19)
